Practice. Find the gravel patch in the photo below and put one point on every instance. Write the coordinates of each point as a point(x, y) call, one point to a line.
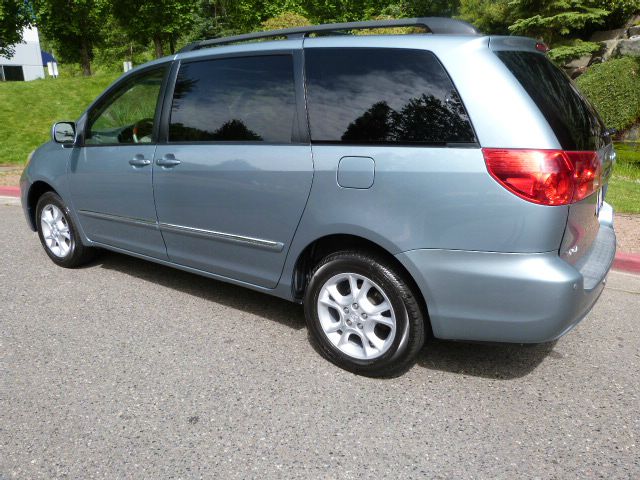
point(627, 228)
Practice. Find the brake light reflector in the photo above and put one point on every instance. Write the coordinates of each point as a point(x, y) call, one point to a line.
point(545, 177)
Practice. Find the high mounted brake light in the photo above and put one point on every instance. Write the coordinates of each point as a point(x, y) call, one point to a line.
point(545, 177)
point(542, 47)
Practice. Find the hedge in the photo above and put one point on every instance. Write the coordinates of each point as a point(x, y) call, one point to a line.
point(614, 88)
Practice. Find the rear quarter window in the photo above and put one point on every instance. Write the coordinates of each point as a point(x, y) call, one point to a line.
point(383, 96)
point(574, 121)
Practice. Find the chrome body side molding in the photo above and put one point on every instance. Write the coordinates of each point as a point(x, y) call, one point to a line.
point(196, 232)
point(226, 237)
point(117, 218)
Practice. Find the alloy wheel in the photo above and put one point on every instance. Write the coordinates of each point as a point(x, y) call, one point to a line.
point(356, 316)
point(55, 230)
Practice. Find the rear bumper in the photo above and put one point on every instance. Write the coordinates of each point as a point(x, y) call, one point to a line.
point(509, 297)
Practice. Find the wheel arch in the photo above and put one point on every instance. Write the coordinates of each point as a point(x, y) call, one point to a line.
point(323, 246)
point(36, 190)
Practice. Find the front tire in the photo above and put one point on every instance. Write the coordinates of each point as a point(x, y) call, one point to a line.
point(58, 234)
point(363, 314)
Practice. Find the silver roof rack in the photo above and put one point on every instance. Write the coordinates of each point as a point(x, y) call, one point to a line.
point(435, 25)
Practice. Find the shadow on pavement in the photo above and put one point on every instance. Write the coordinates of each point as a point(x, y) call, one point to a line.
point(256, 303)
point(497, 361)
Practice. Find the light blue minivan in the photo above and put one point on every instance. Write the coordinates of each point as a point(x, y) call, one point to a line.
point(442, 182)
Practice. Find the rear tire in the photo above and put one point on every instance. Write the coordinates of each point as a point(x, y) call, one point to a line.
point(58, 234)
point(363, 315)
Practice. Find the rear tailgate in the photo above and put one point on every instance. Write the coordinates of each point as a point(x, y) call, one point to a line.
point(577, 127)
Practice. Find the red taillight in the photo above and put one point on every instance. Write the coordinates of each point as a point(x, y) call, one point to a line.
point(546, 177)
point(541, 47)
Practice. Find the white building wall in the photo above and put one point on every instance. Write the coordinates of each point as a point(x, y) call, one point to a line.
point(27, 54)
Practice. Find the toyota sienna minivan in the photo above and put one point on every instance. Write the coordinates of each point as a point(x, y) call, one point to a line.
point(444, 182)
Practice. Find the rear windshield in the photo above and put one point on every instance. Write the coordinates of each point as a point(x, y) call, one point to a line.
point(574, 121)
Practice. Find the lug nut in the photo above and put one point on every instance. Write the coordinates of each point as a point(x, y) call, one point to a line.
point(355, 306)
point(359, 325)
point(364, 315)
point(346, 309)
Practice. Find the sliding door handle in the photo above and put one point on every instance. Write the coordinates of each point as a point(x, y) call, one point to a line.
point(169, 160)
point(139, 161)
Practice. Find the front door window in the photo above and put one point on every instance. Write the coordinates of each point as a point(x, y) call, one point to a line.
point(129, 115)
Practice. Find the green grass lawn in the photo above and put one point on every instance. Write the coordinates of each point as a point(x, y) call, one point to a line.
point(624, 186)
point(28, 109)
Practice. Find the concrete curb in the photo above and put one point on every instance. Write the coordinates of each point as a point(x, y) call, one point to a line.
point(626, 262)
point(9, 191)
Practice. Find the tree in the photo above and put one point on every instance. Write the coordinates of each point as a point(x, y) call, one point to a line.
point(285, 20)
point(248, 15)
point(489, 16)
point(620, 11)
point(210, 20)
point(422, 119)
point(553, 20)
point(374, 125)
point(158, 21)
point(74, 27)
point(117, 46)
point(223, 17)
point(322, 11)
point(14, 16)
point(429, 8)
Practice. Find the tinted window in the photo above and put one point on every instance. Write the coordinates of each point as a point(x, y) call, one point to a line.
point(573, 120)
point(366, 95)
point(129, 115)
point(235, 99)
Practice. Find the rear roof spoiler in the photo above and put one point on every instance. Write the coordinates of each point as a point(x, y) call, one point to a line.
point(499, 42)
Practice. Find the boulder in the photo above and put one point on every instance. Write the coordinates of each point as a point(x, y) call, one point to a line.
point(628, 47)
point(609, 35)
point(609, 48)
point(633, 31)
point(578, 63)
point(575, 72)
point(633, 20)
point(631, 135)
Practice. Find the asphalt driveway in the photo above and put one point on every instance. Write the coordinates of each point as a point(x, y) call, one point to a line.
point(126, 369)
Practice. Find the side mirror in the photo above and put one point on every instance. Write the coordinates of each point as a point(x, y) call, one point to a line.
point(64, 133)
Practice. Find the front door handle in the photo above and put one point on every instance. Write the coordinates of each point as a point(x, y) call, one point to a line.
point(169, 160)
point(139, 161)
